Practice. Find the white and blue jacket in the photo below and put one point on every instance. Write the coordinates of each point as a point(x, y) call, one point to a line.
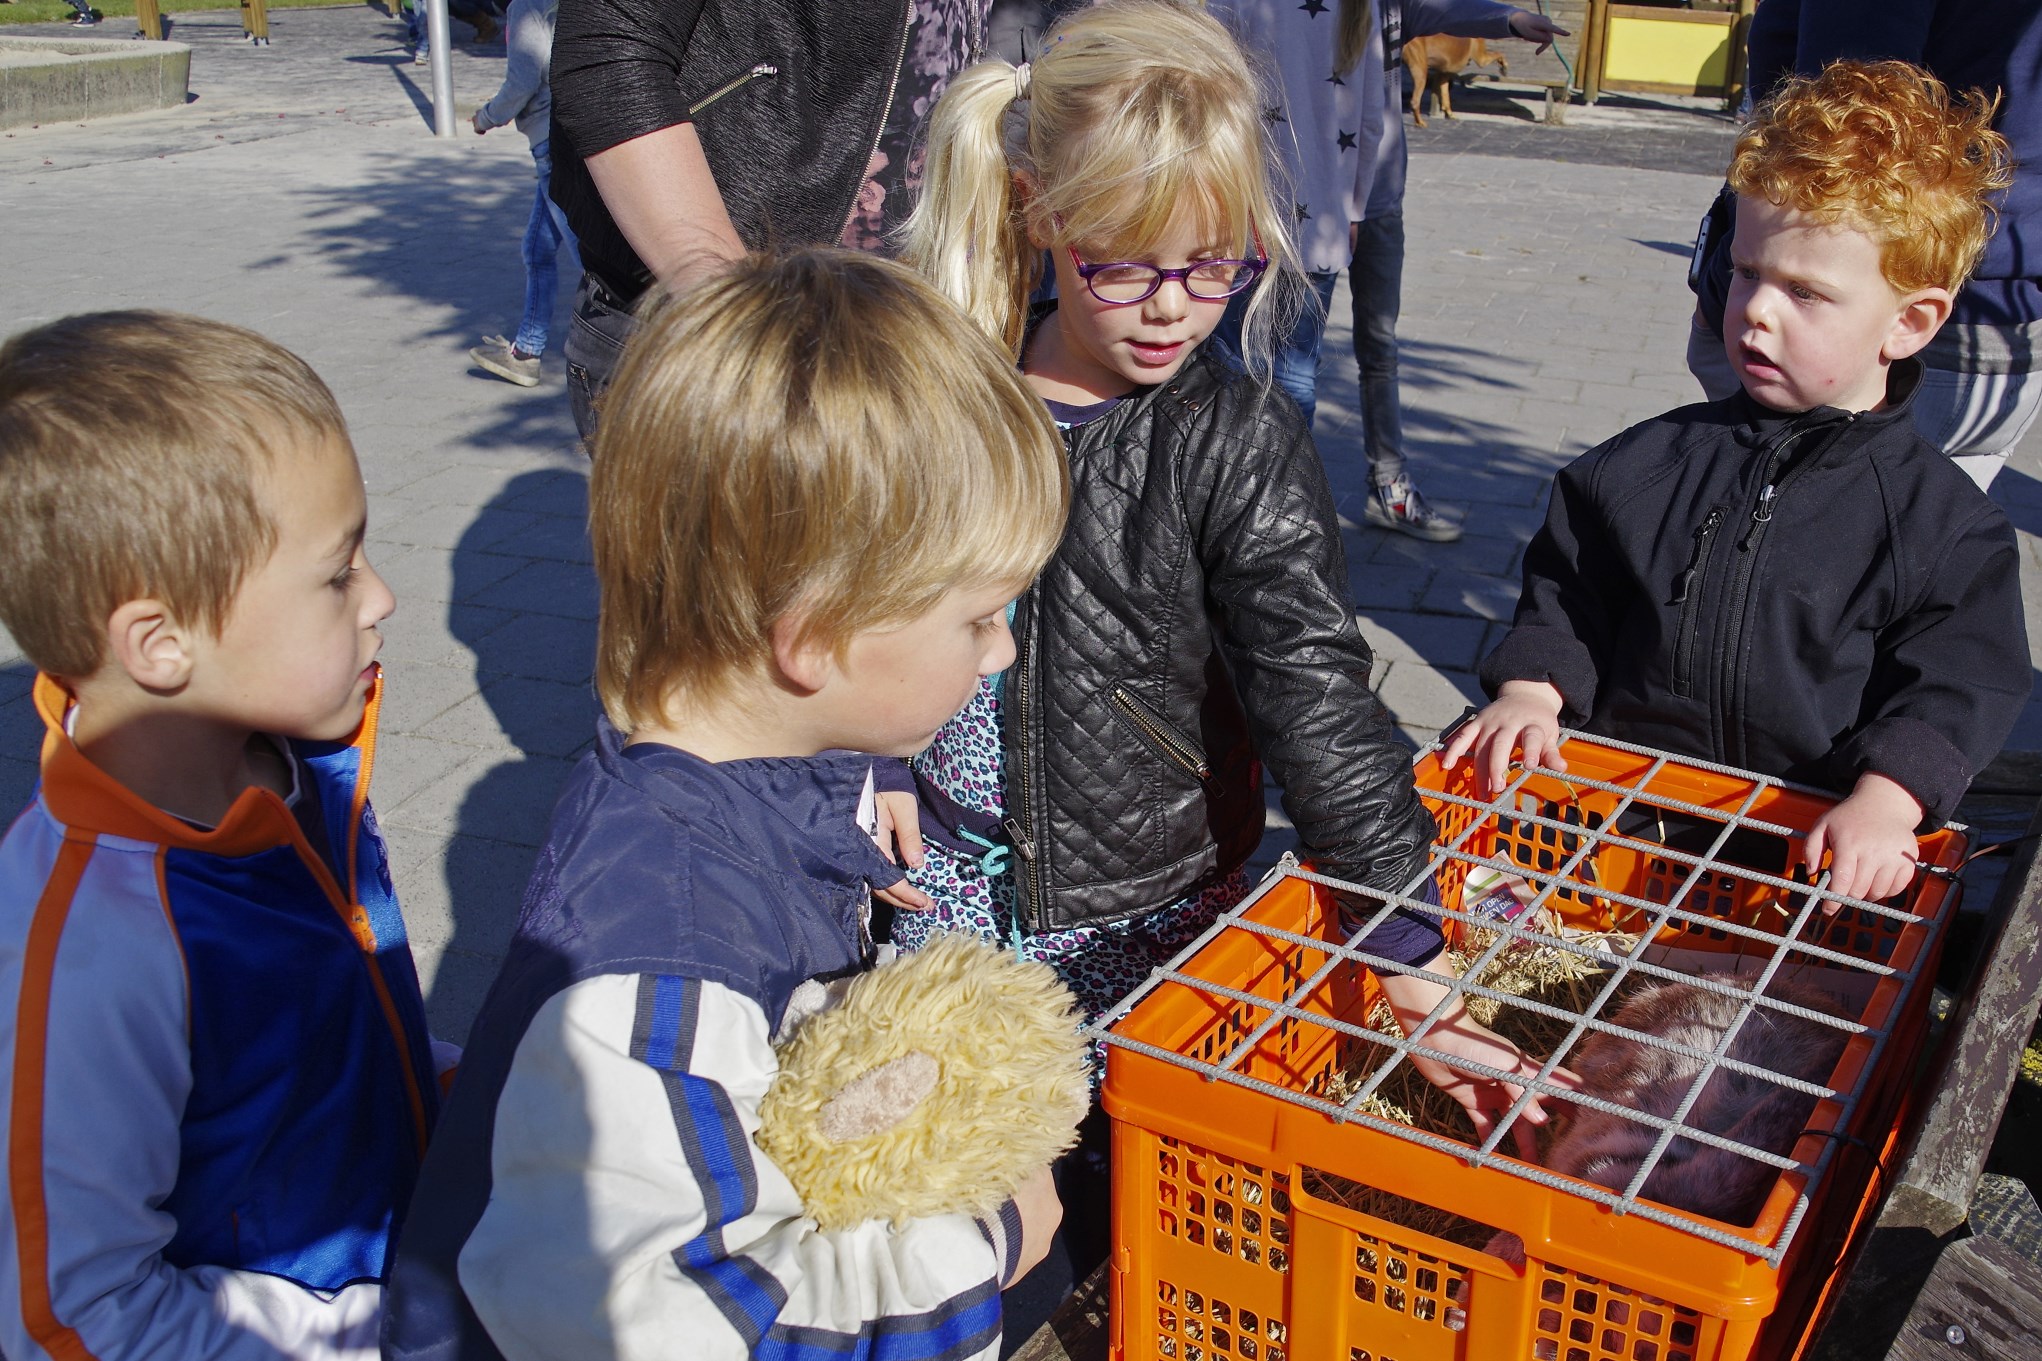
point(218, 1081)
point(595, 1189)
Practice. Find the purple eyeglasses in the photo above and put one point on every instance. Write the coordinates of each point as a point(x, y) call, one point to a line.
point(1121, 282)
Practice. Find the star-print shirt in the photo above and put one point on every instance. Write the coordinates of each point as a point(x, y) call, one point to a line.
point(1324, 121)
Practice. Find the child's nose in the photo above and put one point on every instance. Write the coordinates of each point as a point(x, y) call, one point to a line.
point(1758, 305)
point(1169, 302)
point(379, 602)
point(1000, 651)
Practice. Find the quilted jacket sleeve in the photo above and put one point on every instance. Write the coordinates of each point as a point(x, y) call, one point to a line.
point(1268, 540)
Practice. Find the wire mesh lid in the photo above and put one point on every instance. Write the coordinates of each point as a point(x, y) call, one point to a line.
point(1648, 872)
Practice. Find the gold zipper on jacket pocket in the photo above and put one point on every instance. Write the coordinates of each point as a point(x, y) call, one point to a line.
point(1159, 732)
point(759, 72)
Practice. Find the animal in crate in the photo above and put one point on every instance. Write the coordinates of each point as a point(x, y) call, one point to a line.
point(1608, 1149)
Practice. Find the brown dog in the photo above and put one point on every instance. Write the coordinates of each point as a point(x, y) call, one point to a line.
point(1436, 59)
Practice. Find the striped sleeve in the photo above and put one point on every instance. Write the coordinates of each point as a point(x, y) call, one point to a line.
point(631, 1207)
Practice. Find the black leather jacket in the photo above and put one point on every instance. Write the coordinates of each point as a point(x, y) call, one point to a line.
point(788, 96)
point(1195, 615)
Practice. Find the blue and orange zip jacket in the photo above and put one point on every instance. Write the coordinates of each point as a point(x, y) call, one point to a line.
point(218, 1083)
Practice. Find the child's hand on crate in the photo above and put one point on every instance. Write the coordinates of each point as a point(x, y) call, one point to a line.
point(1524, 714)
point(1457, 1033)
point(1870, 839)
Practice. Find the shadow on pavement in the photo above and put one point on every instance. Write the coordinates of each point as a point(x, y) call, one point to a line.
point(446, 233)
point(534, 669)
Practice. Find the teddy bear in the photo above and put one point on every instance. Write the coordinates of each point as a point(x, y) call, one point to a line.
point(942, 1080)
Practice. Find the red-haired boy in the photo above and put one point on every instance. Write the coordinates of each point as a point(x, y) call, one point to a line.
point(1791, 580)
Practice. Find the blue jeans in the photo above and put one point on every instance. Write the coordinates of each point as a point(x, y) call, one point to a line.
point(545, 233)
point(1296, 360)
point(1376, 278)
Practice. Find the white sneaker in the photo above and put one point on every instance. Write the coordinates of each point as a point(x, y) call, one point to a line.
point(501, 358)
point(1397, 505)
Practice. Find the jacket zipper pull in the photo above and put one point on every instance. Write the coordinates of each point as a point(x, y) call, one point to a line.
point(759, 72)
point(1022, 846)
point(1761, 514)
point(1694, 564)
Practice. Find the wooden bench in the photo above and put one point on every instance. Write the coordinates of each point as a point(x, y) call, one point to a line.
point(254, 20)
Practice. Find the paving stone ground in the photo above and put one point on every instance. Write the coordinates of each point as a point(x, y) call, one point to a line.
point(301, 193)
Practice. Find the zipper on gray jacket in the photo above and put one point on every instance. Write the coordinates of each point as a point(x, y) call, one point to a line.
point(1018, 834)
point(1161, 734)
point(1028, 910)
point(759, 72)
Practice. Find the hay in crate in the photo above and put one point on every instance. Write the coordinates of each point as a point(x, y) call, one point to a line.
point(1560, 978)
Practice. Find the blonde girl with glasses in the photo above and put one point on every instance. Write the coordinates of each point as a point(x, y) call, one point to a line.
point(1096, 804)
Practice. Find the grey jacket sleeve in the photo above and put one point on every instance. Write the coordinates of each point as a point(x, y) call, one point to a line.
point(1459, 18)
point(529, 39)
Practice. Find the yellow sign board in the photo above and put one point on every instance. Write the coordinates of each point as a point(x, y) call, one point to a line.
point(1667, 51)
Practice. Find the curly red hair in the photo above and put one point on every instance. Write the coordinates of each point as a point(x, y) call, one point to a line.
point(1883, 147)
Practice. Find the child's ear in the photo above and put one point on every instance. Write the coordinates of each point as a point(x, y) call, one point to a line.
point(146, 641)
point(1922, 314)
point(802, 660)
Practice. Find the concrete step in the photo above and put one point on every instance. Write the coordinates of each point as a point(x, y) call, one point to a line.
point(48, 80)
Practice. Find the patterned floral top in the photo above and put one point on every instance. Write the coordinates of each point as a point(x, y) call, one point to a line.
point(944, 37)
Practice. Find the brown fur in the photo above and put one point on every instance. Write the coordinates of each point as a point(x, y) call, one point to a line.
point(1434, 61)
point(1608, 1149)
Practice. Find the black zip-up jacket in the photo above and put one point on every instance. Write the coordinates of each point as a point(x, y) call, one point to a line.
point(1195, 614)
point(1810, 596)
point(797, 94)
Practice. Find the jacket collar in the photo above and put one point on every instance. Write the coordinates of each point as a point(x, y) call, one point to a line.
point(81, 795)
point(1762, 424)
point(813, 797)
point(1196, 379)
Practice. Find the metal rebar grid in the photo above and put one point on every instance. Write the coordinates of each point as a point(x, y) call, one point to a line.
point(1771, 950)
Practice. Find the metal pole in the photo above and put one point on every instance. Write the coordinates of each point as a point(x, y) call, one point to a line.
point(443, 66)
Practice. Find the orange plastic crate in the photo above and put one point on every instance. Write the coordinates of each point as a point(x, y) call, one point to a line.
point(1215, 1083)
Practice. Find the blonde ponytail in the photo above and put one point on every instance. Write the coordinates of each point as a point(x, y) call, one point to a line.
point(967, 234)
